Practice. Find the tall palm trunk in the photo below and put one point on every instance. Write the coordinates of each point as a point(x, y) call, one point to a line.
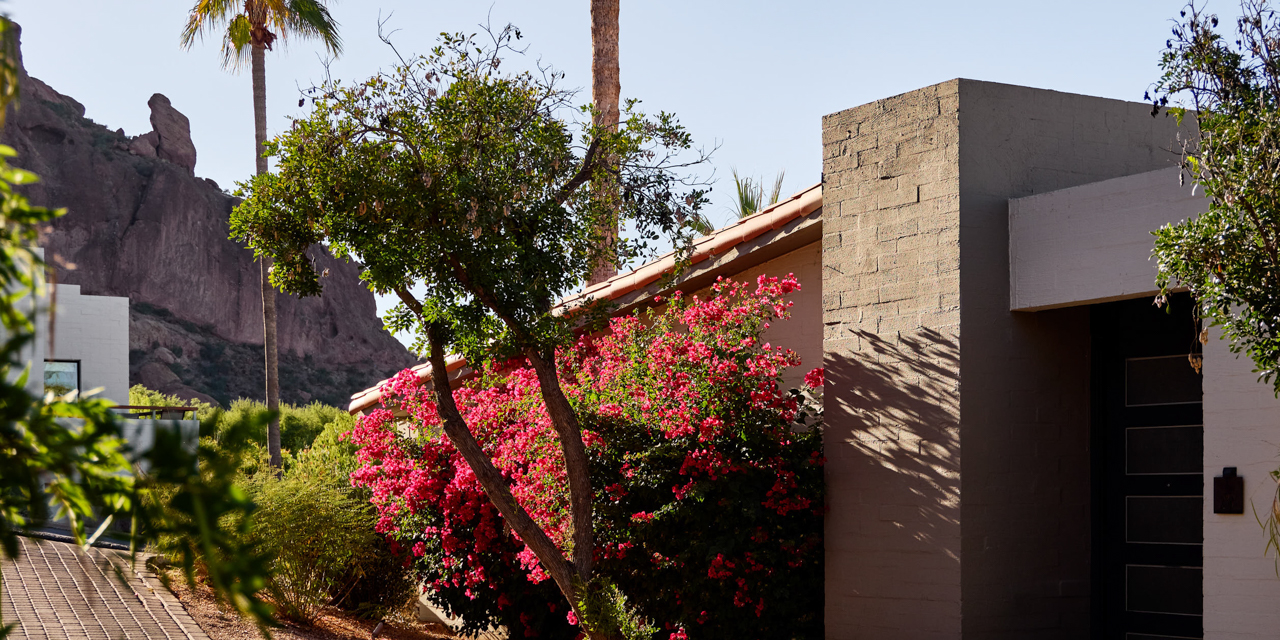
point(259, 62)
point(605, 90)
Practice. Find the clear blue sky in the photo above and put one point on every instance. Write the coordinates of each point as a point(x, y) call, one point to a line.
point(752, 76)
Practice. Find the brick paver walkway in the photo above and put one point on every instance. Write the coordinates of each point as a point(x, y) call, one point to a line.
point(56, 592)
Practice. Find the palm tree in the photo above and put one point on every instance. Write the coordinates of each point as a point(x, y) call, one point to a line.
point(751, 194)
point(605, 90)
point(248, 31)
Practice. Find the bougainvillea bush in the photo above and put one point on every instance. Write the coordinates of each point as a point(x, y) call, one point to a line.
point(707, 476)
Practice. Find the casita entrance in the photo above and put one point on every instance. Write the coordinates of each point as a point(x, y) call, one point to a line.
point(1148, 487)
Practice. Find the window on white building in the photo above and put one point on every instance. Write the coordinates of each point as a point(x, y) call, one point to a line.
point(61, 376)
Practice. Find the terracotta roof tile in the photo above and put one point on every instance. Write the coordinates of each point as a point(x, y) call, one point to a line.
point(710, 245)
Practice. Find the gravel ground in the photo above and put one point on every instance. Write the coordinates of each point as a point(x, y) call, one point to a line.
point(223, 624)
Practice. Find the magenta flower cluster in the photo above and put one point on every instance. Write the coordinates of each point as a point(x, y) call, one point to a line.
point(708, 486)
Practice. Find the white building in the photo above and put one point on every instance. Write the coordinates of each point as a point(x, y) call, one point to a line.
point(86, 347)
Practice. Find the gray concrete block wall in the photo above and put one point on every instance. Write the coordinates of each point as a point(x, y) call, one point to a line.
point(891, 317)
point(1092, 243)
point(915, 256)
point(1025, 408)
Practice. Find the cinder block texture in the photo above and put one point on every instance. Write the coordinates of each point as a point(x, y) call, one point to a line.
point(925, 359)
point(1240, 430)
point(891, 261)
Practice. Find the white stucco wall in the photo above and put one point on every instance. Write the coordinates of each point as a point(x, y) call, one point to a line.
point(34, 350)
point(801, 333)
point(1091, 243)
point(1242, 430)
point(95, 331)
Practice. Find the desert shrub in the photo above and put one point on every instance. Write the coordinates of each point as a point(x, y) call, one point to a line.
point(707, 479)
point(372, 580)
point(145, 397)
point(299, 424)
point(332, 455)
point(313, 530)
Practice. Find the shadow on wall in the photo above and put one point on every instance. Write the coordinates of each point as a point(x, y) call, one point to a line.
point(893, 480)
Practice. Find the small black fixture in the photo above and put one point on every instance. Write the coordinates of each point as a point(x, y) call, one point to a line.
point(1228, 492)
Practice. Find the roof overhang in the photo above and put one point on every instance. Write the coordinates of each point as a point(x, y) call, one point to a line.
point(1092, 243)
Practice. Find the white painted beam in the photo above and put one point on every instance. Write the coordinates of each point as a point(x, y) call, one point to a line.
point(1092, 243)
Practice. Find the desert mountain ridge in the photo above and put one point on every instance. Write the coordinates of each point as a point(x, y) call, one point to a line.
point(141, 224)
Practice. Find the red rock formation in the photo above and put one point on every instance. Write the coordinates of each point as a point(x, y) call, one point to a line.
point(140, 224)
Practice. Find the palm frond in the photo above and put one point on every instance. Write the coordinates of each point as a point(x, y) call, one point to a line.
point(306, 19)
point(311, 19)
point(751, 194)
point(702, 224)
point(237, 47)
point(777, 188)
point(207, 17)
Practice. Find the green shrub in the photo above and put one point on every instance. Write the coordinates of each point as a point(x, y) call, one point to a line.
point(375, 581)
point(299, 425)
point(331, 455)
point(314, 531)
point(317, 529)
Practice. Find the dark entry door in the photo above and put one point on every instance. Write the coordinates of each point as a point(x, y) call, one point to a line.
point(1148, 472)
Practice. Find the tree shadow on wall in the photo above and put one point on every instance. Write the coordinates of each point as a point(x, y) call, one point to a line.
point(893, 472)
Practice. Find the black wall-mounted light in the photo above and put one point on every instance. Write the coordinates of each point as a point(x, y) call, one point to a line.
point(1228, 492)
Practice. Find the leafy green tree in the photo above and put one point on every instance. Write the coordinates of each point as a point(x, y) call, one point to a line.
point(460, 189)
point(1229, 256)
point(68, 452)
point(248, 32)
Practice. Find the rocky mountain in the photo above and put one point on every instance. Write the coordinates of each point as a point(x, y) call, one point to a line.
point(139, 223)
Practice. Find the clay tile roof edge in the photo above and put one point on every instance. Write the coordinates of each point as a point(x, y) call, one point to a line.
point(719, 241)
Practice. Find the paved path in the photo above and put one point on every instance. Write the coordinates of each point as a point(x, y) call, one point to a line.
point(55, 592)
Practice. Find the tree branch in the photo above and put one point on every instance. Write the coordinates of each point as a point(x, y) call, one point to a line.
point(584, 172)
point(490, 478)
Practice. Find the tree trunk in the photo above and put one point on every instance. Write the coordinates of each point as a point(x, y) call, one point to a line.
point(605, 90)
point(577, 468)
point(259, 61)
point(491, 479)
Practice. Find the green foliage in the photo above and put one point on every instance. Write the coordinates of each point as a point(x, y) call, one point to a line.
point(68, 452)
point(202, 516)
point(373, 581)
point(141, 396)
point(455, 179)
point(331, 454)
point(750, 195)
point(299, 425)
point(606, 604)
point(259, 22)
point(1229, 257)
point(61, 450)
point(313, 529)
